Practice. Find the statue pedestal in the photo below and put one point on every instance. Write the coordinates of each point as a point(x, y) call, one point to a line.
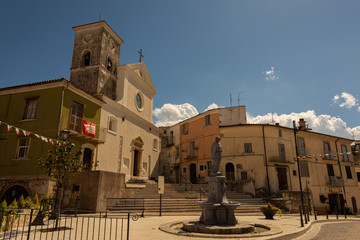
point(217, 210)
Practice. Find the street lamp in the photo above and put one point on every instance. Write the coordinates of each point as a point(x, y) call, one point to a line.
point(65, 134)
point(298, 165)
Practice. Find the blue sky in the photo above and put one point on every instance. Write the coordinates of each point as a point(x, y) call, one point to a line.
point(283, 56)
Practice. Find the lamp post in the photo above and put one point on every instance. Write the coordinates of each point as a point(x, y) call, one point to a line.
point(298, 165)
point(65, 134)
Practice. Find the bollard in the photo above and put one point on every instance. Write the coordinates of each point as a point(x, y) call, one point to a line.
point(315, 214)
point(308, 212)
point(326, 212)
point(345, 213)
point(301, 218)
point(304, 213)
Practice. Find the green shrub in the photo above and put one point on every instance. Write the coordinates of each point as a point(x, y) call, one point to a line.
point(21, 202)
point(28, 202)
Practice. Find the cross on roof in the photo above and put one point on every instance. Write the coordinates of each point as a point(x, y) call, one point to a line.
point(141, 56)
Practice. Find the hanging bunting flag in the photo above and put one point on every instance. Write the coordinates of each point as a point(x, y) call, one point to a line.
point(309, 156)
point(9, 127)
point(341, 154)
point(298, 157)
point(36, 135)
point(348, 153)
point(17, 130)
point(322, 156)
point(334, 155)
point(0, 122)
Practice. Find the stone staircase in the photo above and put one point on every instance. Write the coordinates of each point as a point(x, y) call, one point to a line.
point(176, 200)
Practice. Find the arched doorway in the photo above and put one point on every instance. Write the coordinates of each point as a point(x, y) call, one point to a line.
point(137, 145)
point(230, 171)
point(14, 192)
point(87, 159)
point(193, 173)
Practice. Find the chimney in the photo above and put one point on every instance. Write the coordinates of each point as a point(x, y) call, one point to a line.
point(302, 125)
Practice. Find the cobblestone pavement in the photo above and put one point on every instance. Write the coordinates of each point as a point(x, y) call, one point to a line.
point(348, 230)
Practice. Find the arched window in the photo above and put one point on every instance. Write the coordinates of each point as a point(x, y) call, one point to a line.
point(86, 59)
point(109, 64)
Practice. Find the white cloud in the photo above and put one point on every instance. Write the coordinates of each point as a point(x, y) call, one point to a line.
point(347, 100)
point(211, 106)
point(271, 75)
point(170, 114)
point(319, 123)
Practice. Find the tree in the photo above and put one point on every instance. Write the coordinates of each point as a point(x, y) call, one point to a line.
point(60, 164)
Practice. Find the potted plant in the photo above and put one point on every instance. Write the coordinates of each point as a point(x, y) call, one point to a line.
point(270, 210)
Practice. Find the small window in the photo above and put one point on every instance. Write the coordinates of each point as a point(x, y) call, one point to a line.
point(30, 108)
point(330, 170)
point(201, 166)
point(23, 147)
point(301, 146)
point(112, 124)
point(76, 116)
point(184, 169)
point(184, 128)
point(280, 133)
point(86, 59)
point(294, 172)
point(282, 155)
point(327, 150)
point(358, 176)
point(207, 120)
point(155, 144)
point(348, 172)
point(304, 169)
point(192, 149)
point(248, 147)
point(177, 151)
point(344, 152)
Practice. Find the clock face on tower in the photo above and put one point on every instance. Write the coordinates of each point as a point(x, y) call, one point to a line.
point(139, 102)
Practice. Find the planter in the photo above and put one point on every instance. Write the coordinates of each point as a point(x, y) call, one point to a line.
point(269, 212)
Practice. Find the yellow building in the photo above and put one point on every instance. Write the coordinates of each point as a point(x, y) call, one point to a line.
point(261, 159)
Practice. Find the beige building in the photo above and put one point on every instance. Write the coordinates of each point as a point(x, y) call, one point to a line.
point(261, 159)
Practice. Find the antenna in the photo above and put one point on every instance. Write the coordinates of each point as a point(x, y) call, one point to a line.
point(100, 16)
point(230, 100)
point(239, 97)
point(272, 118)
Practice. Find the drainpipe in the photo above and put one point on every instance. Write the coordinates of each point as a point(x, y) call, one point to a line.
point(266, 163)
point(341, 175)
point(60, 113)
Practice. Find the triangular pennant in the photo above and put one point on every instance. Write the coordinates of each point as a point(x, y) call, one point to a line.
point(36, 135)
point(17, 130)
point(9, 127)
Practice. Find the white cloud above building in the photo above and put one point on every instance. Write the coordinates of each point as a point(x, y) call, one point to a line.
point(346, 100)
point(170, 114)
point(319, 123)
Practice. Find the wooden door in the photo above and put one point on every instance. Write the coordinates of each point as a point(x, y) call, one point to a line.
point(282, 178)
point(193, 173)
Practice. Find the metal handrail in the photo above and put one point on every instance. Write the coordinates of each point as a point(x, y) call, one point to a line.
point(192, 185)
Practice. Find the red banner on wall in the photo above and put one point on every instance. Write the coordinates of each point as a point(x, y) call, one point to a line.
point(88, 128)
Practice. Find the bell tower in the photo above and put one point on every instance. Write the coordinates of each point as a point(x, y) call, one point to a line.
point(95, 59)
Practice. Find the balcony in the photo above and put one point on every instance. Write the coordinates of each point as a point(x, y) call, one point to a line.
point(334, 181)
point(170, 141)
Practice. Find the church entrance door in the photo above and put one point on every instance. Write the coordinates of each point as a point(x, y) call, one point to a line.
point(136, 170)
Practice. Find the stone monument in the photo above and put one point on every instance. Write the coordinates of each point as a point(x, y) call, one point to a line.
point(217, 210)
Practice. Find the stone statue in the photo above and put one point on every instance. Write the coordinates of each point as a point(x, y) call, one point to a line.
point(216, 156)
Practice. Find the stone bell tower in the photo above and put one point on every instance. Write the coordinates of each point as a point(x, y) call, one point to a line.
point(95, 59)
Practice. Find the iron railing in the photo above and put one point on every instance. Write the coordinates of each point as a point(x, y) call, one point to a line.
point(126, 204)
point(28, 224)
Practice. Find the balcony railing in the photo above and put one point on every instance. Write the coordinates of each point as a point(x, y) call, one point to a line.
point(334, 181)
